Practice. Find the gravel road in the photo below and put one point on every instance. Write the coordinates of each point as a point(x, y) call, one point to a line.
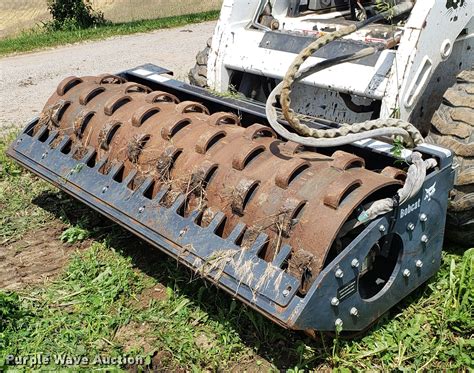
point(27, 80)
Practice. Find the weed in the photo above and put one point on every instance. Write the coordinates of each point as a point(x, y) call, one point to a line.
point(232, 92)
point(8, 168)
point(77, 311)
point(395, 113)
point(397, 150)
point(17, 191)
point(74, 234)
point(385, 6)
point(9, 314)
point(76, 169)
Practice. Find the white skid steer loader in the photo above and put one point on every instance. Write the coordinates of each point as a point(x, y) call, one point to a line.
point(421, 73)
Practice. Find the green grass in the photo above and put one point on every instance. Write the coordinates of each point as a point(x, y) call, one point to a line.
point(40, 38)
point(194, 326)
point(18, 214)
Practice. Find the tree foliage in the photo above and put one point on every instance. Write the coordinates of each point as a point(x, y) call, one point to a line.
point(73, 14)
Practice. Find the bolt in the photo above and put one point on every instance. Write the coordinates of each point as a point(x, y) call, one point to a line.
point(411, 226)
point(423, 217)
point(419, 263)
point(406, 273)
point(104, 189)
point(424, 238)
point(354, 311)
point(286, 293)
point(355, 263)
point(382, 228)
point(141, 209)
point(339, 273)
point(334, 302)
point(338, 323)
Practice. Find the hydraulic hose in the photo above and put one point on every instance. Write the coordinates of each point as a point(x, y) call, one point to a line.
point(415, 178)
point(346, 133)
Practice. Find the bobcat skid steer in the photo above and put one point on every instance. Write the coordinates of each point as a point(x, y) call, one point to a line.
point(310, 193)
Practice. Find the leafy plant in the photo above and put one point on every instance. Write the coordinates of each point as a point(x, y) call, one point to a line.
point(10, 313)
point(8, 168)
point(9, 308)
point(73, 14)
point(395, 113)
point(74, 234)
point(462, 294)
point(385, 6)
point(397, 149)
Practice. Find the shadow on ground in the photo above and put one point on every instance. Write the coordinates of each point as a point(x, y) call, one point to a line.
point(284, 348)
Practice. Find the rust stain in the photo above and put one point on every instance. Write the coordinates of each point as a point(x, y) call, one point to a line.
point(296, 197)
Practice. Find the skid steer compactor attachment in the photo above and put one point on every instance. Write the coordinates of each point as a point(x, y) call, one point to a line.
point(271, 222)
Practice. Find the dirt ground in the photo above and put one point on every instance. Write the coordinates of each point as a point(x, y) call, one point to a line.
point(36, 258)
point(27, 80)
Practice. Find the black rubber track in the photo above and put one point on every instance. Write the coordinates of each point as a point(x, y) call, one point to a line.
point(198, 74)
point(452, 127)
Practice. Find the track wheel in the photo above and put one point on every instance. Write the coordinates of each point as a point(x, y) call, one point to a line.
point(198, 74)
point(452, 127)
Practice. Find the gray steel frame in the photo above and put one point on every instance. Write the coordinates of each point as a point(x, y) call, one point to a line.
point(163, 228)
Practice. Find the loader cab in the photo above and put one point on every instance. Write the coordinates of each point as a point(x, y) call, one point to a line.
point(316, 17)
point(256, 41)
point(301, 7)
point(280, 29)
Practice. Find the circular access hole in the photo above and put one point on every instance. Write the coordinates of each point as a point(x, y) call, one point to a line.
point(446, 49)
point(380, 266)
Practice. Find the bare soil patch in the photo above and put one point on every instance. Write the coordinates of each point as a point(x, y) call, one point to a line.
point(256, 365)
point(37, 257)
point(135, 337)
point(157, 293)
